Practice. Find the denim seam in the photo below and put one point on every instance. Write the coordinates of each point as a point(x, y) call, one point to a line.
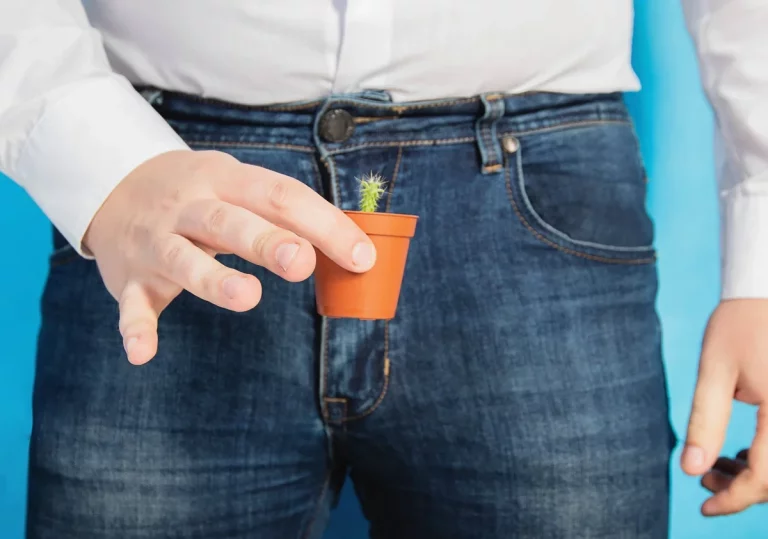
point(395, 143)
point(563, 126)
point(383, 393)
point(325, 156)
point(324, 354)
point(329, 165)
point(345, 405)
point(318, 504)
point(461, 140)
point(394, 179)
point(362, 120)
point(265, 145)
point(385, 386)
point(318, 177)
point(378, 401)
point(540, 237)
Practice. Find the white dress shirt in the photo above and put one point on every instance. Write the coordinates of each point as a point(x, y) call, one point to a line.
point(72, 126)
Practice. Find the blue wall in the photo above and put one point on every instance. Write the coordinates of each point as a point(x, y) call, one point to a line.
point(675, 127)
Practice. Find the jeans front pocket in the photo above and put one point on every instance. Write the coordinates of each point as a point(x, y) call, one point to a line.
point(582, 190)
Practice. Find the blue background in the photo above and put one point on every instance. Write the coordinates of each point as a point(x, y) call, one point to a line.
point(675, 127)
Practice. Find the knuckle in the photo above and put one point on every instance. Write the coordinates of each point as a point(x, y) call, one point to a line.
point(284, 193)
point(171, 200)
point(169, 252)
point(209, 163)
point(215, 221)
point(261, 245)
point(334, 232)
point(278, 195)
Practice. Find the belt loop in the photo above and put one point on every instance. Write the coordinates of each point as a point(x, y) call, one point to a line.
point(485, 127)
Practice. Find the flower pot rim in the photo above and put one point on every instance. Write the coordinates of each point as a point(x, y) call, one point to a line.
point(385, 224)
point(381, 213)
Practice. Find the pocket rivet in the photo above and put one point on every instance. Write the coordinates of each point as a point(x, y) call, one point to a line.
point(511, 144)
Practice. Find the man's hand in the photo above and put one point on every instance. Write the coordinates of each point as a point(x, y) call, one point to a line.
point(159, 230)
point(734, 365)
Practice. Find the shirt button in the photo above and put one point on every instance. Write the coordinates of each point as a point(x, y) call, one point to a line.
point(336, 125)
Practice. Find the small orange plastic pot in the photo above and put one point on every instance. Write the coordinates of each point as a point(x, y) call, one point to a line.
point(372, 295)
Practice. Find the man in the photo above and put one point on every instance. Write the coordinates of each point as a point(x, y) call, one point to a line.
point(208, 147)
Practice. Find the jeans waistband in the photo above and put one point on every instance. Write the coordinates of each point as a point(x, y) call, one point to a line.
point(370, 119)
point(376, 104)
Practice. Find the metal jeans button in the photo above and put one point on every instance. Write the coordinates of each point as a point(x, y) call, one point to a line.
point(336, 125)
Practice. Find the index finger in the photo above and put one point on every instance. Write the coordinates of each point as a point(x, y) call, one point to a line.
point(288, 203)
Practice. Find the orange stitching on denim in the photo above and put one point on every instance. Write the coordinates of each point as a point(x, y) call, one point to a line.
point(324, 365)
point(394, 179)
point(369, 119)
point(386, 144)
point(384, 389)
point(379, 400)
point(524, 222)
point(565, 125)
point(459, 140)
point(342, 400)
point(264, 145)
point(492, 168)
point(421, 142)
point(318, 503)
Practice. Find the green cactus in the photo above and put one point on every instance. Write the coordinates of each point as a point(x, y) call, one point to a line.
point(371, 190)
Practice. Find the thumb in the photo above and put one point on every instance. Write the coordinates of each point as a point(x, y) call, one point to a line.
point(138, 322)
point(711, 410)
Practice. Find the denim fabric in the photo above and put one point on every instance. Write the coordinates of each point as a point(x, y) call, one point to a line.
point(519, 392)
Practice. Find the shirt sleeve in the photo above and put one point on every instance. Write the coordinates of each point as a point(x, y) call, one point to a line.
point(732, 44)
point(70, 128)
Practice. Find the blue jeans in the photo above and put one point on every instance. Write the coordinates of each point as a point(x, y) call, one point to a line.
point(518, 393)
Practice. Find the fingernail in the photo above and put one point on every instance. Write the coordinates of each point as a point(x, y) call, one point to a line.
point(234, 286)
point(285, 254)
point(363, 255)
point(693, 457)
point(129, 343)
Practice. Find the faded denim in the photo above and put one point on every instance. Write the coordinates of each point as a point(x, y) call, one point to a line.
point(519, 392)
